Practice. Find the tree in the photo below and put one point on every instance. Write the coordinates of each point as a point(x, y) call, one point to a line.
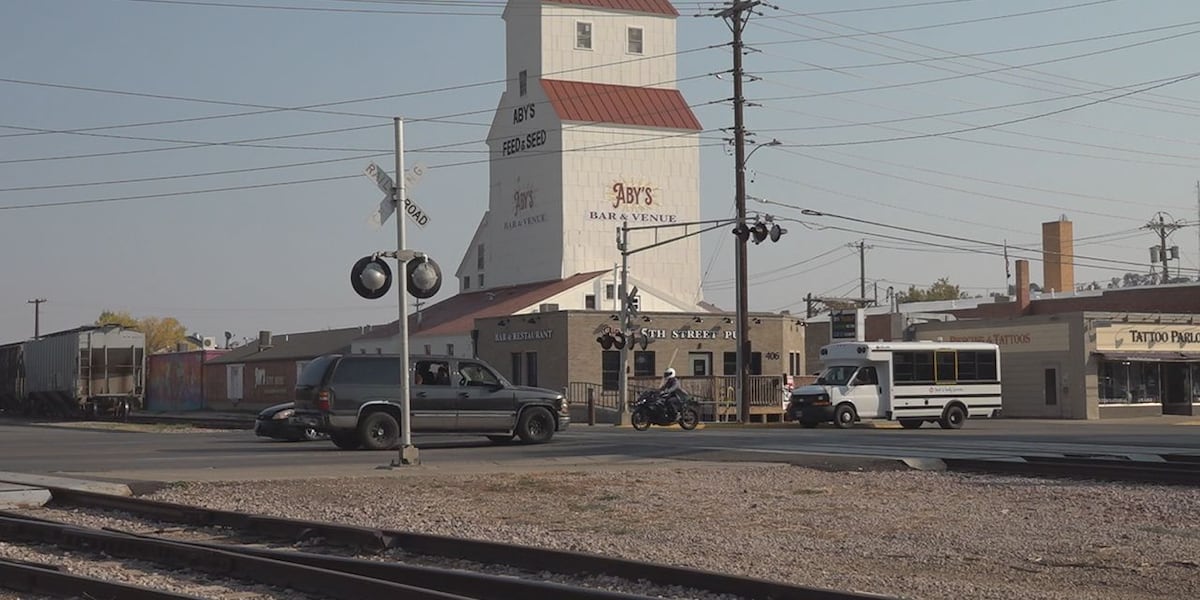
point(162, 333)
point(941, 289)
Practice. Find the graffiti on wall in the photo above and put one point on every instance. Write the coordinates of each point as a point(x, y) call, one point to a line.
point(173, 381)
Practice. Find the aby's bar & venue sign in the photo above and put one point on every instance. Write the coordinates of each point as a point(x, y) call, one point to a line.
point(634, 202)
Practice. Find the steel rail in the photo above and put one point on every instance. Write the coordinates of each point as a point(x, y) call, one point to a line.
point(1185, 472)
point(534, 559)
point(481, 586)
point(313, 580)
point(48, 580)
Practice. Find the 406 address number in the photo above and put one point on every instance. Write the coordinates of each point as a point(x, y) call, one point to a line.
point(517, 144)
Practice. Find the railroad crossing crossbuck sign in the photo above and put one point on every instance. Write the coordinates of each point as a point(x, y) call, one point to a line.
point(387, 206)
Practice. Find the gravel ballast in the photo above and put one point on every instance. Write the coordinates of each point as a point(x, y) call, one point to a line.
point(910, 534)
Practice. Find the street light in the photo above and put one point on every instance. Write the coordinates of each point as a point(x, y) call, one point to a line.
point(743, 373)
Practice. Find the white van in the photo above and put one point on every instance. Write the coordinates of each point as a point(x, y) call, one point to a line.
point(909, 382)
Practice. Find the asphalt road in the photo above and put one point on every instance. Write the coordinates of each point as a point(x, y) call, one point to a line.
point(150, 454)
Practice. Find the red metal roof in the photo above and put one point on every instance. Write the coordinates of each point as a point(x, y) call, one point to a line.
point(654, 7)
point(457, 314)
point(621, 104)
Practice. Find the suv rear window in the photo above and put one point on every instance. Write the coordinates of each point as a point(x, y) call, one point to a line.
point(312, 373)
point(368, 371)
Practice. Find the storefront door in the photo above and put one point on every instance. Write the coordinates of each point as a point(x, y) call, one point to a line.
point(701, 363)
point(1176, 398)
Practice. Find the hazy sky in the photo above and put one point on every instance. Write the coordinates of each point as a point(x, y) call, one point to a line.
point(201, 196)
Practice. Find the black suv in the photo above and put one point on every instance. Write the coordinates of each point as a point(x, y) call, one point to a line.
point(355, 399)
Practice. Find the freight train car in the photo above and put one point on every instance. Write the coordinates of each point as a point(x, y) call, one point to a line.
point(12, 376)
point(91, 371)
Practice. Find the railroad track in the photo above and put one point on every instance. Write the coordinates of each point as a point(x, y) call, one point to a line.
point(441, 567)
point(1174, 469)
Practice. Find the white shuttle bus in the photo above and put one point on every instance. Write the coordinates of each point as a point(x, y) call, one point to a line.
point(909, 382)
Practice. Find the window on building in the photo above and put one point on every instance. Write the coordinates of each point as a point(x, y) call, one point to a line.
point(523, 81)
point(428, 349)
point(583, 35)
point(467, 282)
point(609, 291)
point(643, 363)
point(589, 301)
point(481, 281)
point(610, 369)
point(516, 368)
point(479, 256)
point(633, 37)
point(795, 364)
point(531, 368)
point(730, 363)
point(450, 349)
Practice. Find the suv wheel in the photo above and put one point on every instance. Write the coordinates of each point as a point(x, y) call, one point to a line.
point(536, 425)
point(379, 431)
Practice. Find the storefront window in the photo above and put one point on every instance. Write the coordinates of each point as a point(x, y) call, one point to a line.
point(1144, 378)
point(1194, 381)
point(1124, 382)
point(610, 369)
point(643, 364)
point(1114, 382)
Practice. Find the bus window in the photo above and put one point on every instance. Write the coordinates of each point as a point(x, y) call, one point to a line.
point(947, 371)
point(923, 366)
point(987, 366)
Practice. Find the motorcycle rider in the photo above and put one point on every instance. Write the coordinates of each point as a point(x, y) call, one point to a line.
point(669, 392)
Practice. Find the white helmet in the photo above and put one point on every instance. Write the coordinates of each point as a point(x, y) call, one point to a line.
point(669, 373)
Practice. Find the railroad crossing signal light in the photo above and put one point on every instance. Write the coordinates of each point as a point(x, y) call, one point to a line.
point(759, 231)
point(424, 278)
point(371, 277)
point(605, 341)
point(742, 232)
point(776, 232)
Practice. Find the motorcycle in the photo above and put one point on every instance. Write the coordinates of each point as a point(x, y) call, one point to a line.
point(652, 409)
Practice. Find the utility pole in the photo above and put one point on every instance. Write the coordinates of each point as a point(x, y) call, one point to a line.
point(736, 16)
point(862, 268)
point(808, 305)
point(1160, 253)
point(1198, 227)
point(37, 316)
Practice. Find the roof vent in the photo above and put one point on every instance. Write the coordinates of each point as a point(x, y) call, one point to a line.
point(264, 340)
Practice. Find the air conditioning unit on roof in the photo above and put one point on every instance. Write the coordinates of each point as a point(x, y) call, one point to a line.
point(209, 343)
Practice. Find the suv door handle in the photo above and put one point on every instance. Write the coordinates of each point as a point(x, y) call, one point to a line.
point(420, 394)
point(463, 394)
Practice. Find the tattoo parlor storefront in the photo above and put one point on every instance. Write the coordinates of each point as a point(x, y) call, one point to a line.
point(1090, 365)
point(559, 350)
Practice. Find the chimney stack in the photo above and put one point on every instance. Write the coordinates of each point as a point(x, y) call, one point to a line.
point(1058, 256)
point(264, 340)
point(1022, 286)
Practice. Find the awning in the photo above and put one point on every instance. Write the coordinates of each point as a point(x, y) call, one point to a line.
point(1148, 356)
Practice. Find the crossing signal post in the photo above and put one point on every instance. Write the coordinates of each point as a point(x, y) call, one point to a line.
point(764, 228)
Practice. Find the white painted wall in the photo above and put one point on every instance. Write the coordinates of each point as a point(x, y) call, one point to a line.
point(553, 208)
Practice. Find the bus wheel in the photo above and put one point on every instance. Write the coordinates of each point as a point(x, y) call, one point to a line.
point(953, 417)
point(844, 417)
point(911, 423)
